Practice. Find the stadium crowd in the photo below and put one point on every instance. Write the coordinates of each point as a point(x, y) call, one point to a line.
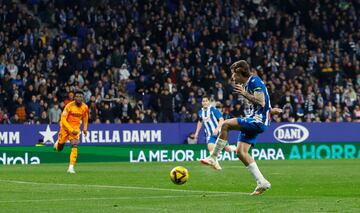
point(152, 61)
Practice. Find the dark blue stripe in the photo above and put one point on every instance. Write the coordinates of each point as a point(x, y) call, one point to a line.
point(211, 131)
point(212, 119)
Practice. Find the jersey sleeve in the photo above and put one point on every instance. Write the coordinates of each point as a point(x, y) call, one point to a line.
point(85, 117)
point(256, 85)
point(216, 112)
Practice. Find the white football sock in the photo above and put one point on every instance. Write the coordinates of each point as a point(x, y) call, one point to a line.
point(254, 170)
point(71, 166)
point(220, 144)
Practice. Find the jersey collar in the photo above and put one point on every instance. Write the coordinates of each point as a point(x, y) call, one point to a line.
point(206, 108)
point(247, 82)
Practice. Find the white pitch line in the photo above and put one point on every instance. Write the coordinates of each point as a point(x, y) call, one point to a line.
point(108, 198)
point(145, 208)
point(122, 187)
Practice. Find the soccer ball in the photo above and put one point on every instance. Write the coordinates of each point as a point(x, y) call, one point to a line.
point(179, 175)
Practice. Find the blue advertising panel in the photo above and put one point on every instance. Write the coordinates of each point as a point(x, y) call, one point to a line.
point(311, 132)
point(176, 133)
point(100, 134)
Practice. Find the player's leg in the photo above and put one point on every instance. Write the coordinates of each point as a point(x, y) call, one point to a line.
point(60, 142)
point(211, 143)
point(211, 147)
point(244, 143)
point(73, 155)
point(231, 124)
point(222, 141)
point(242, 152)
point(230, 148)
point(74, 142)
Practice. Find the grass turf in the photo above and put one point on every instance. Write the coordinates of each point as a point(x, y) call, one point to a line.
point(297, 186)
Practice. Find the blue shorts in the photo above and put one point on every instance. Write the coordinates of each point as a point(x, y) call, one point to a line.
point(212, 139)
point(249, 130)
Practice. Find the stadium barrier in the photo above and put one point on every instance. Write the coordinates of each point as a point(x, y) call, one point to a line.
point(165, 142)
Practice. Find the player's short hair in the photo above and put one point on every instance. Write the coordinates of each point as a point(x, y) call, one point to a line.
point(241, 67)
point(79, 92)
point(205, 96)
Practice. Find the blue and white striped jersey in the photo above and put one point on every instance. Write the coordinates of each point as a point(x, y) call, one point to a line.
point(210, 118)
point(258, 113)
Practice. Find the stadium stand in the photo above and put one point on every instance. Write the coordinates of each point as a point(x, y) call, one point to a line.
point(151, 61)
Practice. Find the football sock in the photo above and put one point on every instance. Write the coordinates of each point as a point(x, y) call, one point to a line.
point(73, 155)
point(254, 170)
point(220, 144)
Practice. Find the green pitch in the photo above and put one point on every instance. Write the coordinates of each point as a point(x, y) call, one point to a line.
point(297, 186)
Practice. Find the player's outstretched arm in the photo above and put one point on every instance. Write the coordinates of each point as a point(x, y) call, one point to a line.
point(86, 120)
point(217, 130)
point(258, 97)
point(220, 117)
point(198, 127)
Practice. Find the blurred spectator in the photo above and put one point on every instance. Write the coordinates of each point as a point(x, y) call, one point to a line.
point(54, 114)
point(106, 114)
point(191, 139)
point(20, 110)
point(356, 114)
point(166, 106)
point(44, 119)
point(5, 119)
point(123, 73)
point(69, 98)
point(15, 119)
point(34, 107)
